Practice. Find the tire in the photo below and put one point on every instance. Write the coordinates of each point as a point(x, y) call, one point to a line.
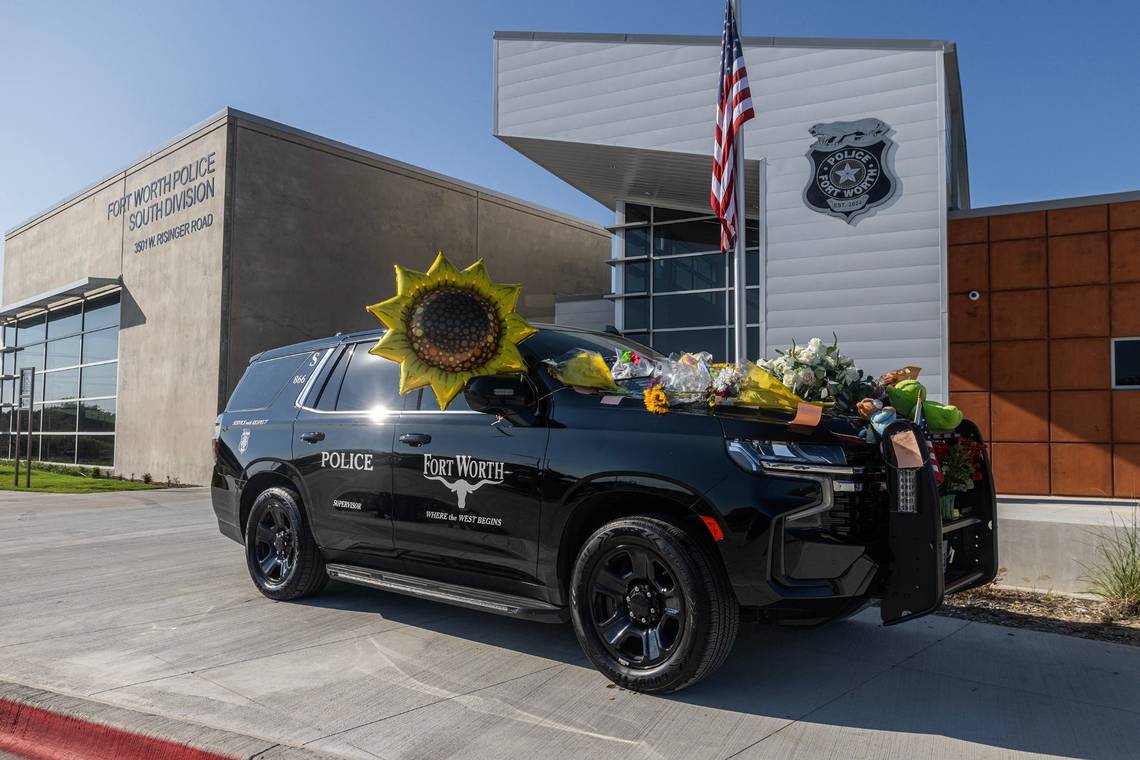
point(283, 559)
point(651, 605)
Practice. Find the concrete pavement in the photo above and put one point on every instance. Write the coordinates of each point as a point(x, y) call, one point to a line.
point(135, 600)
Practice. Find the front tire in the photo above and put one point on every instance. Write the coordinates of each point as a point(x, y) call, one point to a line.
point(651, 605)
point(283, 559)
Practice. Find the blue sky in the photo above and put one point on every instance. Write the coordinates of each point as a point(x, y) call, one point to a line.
point(1052, 89)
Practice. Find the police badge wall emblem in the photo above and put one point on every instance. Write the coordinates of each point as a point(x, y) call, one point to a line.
point(851, 175)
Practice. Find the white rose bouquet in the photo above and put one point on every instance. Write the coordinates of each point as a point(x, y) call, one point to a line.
point(816, 372)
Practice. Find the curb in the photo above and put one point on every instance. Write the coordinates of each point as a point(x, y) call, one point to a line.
point(44, 725)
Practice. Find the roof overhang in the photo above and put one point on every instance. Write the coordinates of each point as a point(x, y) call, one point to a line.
point(79, 289)
point(609, 173)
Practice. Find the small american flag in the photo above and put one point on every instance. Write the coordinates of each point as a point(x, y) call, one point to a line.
point(733, 108)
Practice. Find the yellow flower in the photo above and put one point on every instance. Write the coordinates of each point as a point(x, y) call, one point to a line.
point(655, 399)
point(446, 326)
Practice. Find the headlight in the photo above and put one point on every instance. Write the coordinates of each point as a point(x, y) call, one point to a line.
point(757, 456)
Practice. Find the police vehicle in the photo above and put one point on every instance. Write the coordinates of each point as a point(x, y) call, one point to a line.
point(654, 535)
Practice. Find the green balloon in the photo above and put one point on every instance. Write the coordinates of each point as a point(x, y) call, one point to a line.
point(905, 396)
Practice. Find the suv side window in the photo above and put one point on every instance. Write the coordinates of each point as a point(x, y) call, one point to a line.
point(369, 382)
point(326, 402)
point(263, 381)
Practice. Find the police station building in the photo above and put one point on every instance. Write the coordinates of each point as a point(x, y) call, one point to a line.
point(140, 299)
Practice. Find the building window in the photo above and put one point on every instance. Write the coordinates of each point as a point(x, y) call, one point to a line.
point(1126, 362)
point(675, 287)
point(75, 352)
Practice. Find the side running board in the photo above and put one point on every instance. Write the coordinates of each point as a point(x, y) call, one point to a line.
point(461, 596)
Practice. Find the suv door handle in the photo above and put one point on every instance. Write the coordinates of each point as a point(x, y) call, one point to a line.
point(415, 439)
point(312, 437)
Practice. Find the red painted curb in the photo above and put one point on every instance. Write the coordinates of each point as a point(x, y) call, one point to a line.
point(38, 734)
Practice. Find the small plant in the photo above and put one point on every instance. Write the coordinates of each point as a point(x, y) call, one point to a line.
point(147, 478)
point(1115, 576)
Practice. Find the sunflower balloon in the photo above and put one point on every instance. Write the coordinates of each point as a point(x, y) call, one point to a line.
point(447, 326)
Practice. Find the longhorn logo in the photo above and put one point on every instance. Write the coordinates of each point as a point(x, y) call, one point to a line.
point(461, 488)
point(489, 473)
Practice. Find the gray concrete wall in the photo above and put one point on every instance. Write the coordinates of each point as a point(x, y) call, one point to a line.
point(1051, 544)
point(171, 330)
point(75, 240)
point(317, 228)
point(171, 302)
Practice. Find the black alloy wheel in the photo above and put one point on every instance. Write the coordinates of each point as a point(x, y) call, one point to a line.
point(651, 603)
point(637, 606)
point(275, 545)
point(283, 559)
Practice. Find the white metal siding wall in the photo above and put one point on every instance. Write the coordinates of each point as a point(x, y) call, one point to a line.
point(879, 284)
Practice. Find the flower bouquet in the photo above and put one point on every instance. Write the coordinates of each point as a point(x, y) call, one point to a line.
point(816, 372)
point(959, 467)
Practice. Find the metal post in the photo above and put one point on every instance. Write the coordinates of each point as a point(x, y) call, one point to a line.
point(31, 407)
point(739, 264)
point(16, 410)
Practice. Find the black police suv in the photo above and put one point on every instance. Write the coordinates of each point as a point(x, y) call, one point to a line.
point(653, 534)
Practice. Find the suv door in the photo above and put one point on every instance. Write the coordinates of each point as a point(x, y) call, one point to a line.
point(467, 496)
point(342, 445)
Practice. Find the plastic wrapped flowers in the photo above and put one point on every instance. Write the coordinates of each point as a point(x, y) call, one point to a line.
point(630, 364)
point(811, 374)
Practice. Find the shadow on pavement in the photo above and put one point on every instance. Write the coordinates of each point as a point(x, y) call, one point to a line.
point(988, 685)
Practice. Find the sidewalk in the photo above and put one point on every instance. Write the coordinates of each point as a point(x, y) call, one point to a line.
point(135, 601)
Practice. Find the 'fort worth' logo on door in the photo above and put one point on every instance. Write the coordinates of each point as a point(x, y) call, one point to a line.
point(851, 175)
point(485, 473)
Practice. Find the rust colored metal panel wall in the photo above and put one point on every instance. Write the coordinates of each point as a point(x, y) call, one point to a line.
point(1030, 351)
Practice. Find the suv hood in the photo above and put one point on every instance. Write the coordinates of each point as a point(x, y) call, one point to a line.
point(759, 424)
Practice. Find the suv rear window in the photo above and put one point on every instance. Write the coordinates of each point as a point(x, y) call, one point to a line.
point(264, 380)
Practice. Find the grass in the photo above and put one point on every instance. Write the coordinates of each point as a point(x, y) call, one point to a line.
point(1115, 576)
point(45, 481)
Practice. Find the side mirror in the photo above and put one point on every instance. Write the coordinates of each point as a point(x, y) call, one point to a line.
point(509, 396)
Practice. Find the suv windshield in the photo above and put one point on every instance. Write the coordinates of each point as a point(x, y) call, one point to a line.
point(552, 345)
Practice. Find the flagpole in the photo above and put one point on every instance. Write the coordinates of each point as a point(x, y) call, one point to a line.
point(739, 265)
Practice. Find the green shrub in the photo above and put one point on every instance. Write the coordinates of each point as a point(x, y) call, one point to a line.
point(1115, 576)
point(147, 478)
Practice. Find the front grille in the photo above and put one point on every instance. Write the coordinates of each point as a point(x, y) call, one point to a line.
point(859, 511)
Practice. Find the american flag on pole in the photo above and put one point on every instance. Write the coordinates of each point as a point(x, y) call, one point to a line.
point(733, 109)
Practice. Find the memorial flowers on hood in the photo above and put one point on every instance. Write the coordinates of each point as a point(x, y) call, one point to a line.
point(819, 372)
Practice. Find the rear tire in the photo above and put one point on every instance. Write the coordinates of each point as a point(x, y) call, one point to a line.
point(283, 559)
point(651, 605)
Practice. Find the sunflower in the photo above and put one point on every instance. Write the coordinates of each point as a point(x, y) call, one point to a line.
point(446, 326)
point(656, 400)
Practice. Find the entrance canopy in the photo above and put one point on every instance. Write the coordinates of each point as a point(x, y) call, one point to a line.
point(69, 292)
point(609, 173)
